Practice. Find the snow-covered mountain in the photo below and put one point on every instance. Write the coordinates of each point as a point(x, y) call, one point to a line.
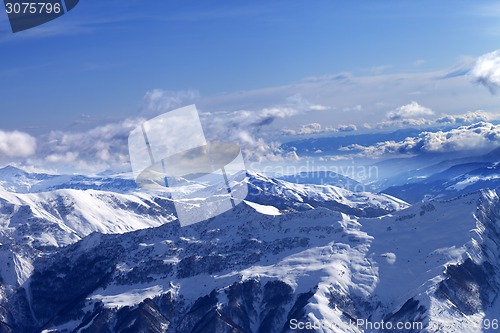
point(246, 271)
point(291, 196)
point(290, 255)
point(325, 178)
point(62, 216)
point(17, 180)
point(446, 179)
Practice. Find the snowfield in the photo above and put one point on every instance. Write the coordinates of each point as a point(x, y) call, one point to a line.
point(86, 260)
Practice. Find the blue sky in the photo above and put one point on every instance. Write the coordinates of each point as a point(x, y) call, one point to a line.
point(100, 59)
point(97, 63)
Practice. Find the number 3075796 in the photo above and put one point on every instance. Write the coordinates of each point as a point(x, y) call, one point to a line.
point(33, 8)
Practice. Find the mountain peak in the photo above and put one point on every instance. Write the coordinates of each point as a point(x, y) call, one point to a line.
point(11, 171)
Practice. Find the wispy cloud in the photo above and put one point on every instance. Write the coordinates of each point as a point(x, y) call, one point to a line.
point(485, 10)
point(157, 101)
point(369, 99)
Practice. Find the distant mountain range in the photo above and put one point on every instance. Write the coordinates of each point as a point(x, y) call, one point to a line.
point(447, 178)
point(325, 178)
point(17, 180)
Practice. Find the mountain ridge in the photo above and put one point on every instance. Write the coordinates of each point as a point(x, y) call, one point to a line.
point(286, 254)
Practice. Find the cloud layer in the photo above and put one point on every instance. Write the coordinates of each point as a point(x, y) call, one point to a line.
point(479, 136)
point(103, 147)
point(341, 103)
point(106, 147)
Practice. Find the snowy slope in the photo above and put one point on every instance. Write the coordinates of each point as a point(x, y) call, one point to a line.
point(421, 167)
point(431, 264)
point(17, 180)
point(289, 253)
point(324, 178)
point(288, 196)
point(32, 223)
point(60, 217)
point(458, 179)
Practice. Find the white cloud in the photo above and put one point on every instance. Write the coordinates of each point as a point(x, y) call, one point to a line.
point(354, 108)
point(318, 107)
point(306, 129)
point(486, 71)
point(465, 118)
point(404, 123)
point(419, 62)
point(367, 98)
point(66, 158)
point(378, 70)
point(470, 117)
point(255, 130)
point(17, 144)
point(347, 128)
point(159, 100)
point(412, 110)
point(316, 128)
point(246, 128)
point(479, 136)
point(94, 150)
point(298, 102)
